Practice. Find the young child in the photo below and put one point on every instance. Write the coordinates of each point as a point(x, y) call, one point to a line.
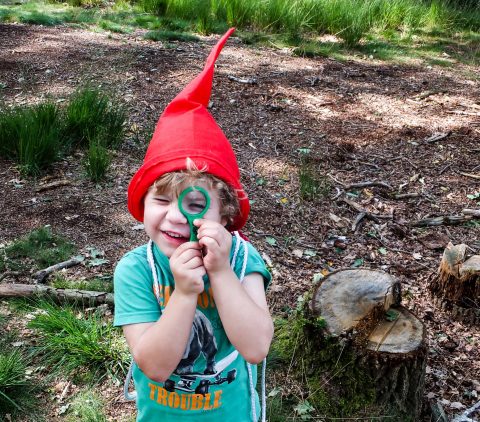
point(194, 313)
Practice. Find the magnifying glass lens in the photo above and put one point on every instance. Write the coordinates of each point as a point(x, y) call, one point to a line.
point(194, 202)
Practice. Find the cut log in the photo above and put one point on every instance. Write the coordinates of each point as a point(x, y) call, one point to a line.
point(84, 297)
point(354, 298)
point(390, 347)
point(456, 285)
point(396, 362)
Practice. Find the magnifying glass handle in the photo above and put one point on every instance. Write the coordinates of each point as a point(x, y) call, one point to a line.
point(193, 233)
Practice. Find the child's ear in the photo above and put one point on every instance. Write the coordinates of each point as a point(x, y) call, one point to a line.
point(224, 221)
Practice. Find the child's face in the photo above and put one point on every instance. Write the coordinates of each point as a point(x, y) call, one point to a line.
point(166, 225)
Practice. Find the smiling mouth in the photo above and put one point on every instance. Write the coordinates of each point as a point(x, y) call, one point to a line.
point(174, 236)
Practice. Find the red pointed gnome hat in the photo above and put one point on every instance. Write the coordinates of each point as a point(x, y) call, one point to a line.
point(187, 129)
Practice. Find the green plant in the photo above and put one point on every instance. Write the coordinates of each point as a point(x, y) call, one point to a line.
point(97, 284)
point(91, 114)
point(12, 380)
point(73, 342)
point(312, 185)
point(170, 36)
point(40, 247)
point(31, 136)
point(97, 161)
point(87, 407)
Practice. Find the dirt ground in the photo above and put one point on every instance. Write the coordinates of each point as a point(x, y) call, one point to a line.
point(358, 121)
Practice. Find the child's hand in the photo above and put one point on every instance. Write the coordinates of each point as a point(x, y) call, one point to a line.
point(216, 242)
point(188, 269)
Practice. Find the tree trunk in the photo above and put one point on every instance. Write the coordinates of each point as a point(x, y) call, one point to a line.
point(389, 342)
point(456, 286)
point(85, 297)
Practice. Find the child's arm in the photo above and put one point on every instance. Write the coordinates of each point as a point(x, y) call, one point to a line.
point(243, 307)
point(157, 347)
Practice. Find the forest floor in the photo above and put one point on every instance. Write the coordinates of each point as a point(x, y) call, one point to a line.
point(355, 121)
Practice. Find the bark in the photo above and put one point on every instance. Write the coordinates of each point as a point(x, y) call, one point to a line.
point(85, 297)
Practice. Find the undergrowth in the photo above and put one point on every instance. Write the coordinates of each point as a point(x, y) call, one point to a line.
point(17, 391)
point(298, 20)
point(37, 136)
point(87, 406)
point(40, 248)
point(81, 344)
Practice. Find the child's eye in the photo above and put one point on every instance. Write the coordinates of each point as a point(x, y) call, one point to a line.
point(195, 207)
point(161, 200)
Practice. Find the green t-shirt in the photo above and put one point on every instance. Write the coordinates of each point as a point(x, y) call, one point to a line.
point(211, 382)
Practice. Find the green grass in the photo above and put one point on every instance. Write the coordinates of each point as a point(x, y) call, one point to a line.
point(97, 161)
point(91, 115)
point(350, 20)
point(17, 392)
point(87, 406)
point(75, 343)
point(97, 284)
point(31, 136)
point(39, 249)
point(170, 36)
point(313, 185)
point(37, 136)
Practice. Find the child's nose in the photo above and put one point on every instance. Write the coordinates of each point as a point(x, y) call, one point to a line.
point(174, 214)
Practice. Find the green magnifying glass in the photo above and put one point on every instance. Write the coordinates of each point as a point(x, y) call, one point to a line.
point(193, 203)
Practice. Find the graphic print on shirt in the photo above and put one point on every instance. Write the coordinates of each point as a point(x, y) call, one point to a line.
point(201, 342)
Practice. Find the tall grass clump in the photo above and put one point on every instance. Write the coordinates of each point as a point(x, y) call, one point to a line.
point(17, 393)
point(31, 136)
point(75, 342)
point(97, 161)
point(89, 114)
point(13, 382)
point(313, 185)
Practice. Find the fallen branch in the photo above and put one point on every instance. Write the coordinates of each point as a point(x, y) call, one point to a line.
point(56, 184)
point(249, 81)
point(448, 220)
point(465, 113)
point(473, 213)
point(41, 276)
point(85, 297)
point(473, 176)
point(369, 184)
point(362, 213)
point(436, 137)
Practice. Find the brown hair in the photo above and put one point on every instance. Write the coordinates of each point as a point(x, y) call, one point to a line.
point(229, 206)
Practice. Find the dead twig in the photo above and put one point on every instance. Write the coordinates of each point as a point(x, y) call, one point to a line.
point(56, 184)
point(369, 184)
point(41, 276)
point(362, 213)
point(437, 137)
point(248, 81)
point(406, 195)
point(473, 213)
point(449, 220)
point(445, 169)
point(473, 176)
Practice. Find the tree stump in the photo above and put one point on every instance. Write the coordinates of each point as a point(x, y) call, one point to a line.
point(389, 342)
point(456, 286)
